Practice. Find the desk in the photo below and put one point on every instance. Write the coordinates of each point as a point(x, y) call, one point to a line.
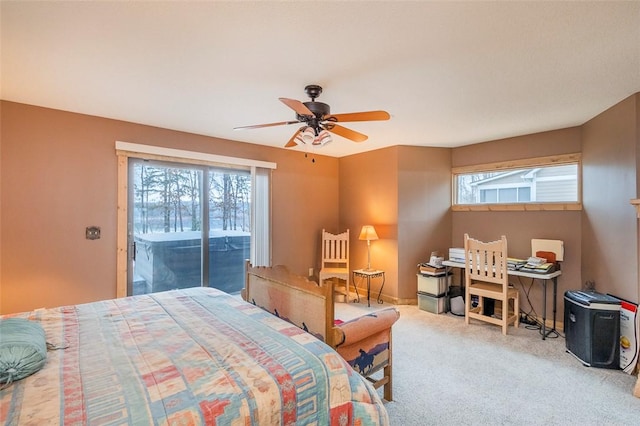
point(362, 274)
point(543, 278)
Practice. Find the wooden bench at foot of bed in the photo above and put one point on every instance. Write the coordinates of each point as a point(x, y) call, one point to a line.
point(364, 342)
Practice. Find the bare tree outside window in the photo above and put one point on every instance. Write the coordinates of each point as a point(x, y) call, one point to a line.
point(230, 196)
point(168, 199)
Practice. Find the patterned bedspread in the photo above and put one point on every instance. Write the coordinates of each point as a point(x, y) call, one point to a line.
point(187, 357)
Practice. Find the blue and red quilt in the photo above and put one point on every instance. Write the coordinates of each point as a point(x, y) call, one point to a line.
point(186, 357)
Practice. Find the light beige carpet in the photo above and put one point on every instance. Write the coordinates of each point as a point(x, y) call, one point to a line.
point(445, 372)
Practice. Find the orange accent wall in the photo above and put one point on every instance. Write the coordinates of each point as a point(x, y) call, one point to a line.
point(369, 196)
point(404, 192)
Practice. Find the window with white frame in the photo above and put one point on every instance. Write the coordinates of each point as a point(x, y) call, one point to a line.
point(550, 183)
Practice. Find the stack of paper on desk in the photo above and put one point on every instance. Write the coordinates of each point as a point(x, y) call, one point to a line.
point(515, 264)
point(456, 255)
point(543, 268)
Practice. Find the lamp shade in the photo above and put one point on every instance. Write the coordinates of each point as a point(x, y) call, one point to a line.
point(308, 135)
point(323, 138)
point(368, 233)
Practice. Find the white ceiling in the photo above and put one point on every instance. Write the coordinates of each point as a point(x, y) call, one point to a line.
point(449, 73)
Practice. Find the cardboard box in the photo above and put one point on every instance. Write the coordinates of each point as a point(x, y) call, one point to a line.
point(628, 336)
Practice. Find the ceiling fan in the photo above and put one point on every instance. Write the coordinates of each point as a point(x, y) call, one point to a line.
point(319, 122)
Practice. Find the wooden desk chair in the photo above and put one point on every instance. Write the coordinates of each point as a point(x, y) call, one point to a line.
point(335, 260)
point(486, 277)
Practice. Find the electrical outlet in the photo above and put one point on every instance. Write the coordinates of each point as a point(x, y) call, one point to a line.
point(310, 272)
point(92, 232)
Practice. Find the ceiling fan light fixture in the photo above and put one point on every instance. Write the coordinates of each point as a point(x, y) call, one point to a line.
point(308, 135)
point(323, 138)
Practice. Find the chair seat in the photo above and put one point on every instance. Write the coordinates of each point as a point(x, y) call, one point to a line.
point(334, 273)
point(491, 289)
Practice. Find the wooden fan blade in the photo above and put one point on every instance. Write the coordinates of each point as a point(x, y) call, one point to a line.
point(257, 126)
point(362, 116)
point(347, 133)
point(297, 106)
point(292, 142)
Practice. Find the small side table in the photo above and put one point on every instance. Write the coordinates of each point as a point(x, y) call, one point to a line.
point(368, 274)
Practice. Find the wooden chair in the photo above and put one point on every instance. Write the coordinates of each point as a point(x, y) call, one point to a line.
point(486, 277)
point(335, 261)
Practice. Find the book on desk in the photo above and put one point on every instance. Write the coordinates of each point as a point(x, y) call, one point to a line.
point(431, 270)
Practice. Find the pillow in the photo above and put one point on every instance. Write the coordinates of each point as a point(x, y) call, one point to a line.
point(23, 349)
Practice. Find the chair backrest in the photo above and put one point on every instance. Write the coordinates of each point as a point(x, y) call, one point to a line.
point(335, 250)
point(486, 261)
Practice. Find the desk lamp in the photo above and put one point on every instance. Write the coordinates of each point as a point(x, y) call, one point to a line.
point(368, 233)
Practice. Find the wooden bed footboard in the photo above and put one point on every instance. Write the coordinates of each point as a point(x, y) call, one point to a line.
point(293, 298)
point(364, 342)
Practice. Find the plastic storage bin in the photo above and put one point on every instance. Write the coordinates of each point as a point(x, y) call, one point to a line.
point(432, 303)
point(592, 328)
point(433, 284)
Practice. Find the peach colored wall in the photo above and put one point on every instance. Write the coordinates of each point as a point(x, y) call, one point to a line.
point(404, 191)
point(555, 142)
point(520, 227)
point(368, 196)
point(58, 175)
point(424, 200)
point(609, 222)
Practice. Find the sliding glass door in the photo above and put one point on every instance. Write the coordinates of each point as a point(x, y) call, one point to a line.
point(229, 224)
point(189, 226)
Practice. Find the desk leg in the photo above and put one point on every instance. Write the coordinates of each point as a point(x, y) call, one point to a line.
point(555, 296)
point(380, 301)
point(544, 309)
point(546, 333)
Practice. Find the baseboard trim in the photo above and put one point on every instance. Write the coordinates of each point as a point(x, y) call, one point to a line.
point(414, 301)
point(385, 298)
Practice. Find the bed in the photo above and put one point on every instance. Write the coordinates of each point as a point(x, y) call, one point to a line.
point(364, 341)
point(189, 357)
